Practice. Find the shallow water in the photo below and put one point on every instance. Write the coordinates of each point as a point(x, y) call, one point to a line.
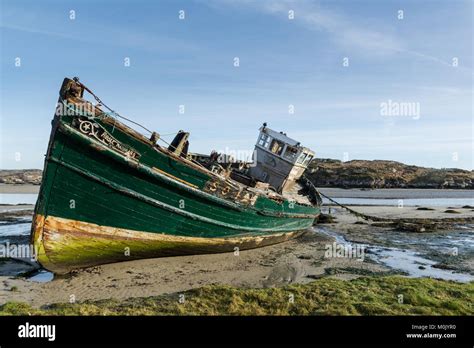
point(409, 202)
point(42, 276)
point(18, 198)
point(397, 193)
point(414, 263)
point(16, 229)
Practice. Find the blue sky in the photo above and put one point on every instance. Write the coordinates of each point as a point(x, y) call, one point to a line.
point(299, 62)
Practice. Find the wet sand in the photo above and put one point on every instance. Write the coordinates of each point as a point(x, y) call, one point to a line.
point(8, 188)
point(398, 193)
point(298, 261)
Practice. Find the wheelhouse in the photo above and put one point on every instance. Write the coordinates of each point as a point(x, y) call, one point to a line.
point(278, 159)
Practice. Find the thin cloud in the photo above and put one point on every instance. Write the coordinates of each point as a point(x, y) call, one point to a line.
point(128, 38)
point(343, 31)
point(317, 18)
point(40, 32)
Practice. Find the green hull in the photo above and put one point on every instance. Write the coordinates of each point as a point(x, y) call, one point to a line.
point(101, 173)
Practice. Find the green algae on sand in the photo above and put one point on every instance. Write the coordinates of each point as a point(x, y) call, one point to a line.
point(392, 295)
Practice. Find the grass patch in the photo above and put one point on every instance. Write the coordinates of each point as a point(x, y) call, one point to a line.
point(452, 211)
point(326, 296)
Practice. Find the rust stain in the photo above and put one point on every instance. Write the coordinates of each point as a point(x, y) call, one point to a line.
point(67, 244)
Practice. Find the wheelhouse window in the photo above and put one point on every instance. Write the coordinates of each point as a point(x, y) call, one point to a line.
point(307, 160)
point(276, 147)
point(264, 140)
point(301, 158)
point(291, 153)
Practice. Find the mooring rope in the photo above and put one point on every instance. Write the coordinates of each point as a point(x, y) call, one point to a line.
point(398, 220)
point(363, 216)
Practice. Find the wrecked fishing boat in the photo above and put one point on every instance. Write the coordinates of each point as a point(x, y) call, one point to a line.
point(110, 194)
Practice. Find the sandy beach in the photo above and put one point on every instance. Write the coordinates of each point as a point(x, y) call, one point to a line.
point(19, 189)
point(298, 261)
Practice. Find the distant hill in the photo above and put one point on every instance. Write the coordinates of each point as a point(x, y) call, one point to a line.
point(385, 174)
point(21, 176)
point(335, 173)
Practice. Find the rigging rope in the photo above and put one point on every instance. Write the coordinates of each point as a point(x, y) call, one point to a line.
point(123, 117)
point(108, 108)
point(76, 80)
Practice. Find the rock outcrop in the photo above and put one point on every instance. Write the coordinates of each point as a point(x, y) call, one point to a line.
point(386, 174)
point(21, 176)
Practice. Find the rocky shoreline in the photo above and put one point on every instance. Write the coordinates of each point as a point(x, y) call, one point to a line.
point(386, 174)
